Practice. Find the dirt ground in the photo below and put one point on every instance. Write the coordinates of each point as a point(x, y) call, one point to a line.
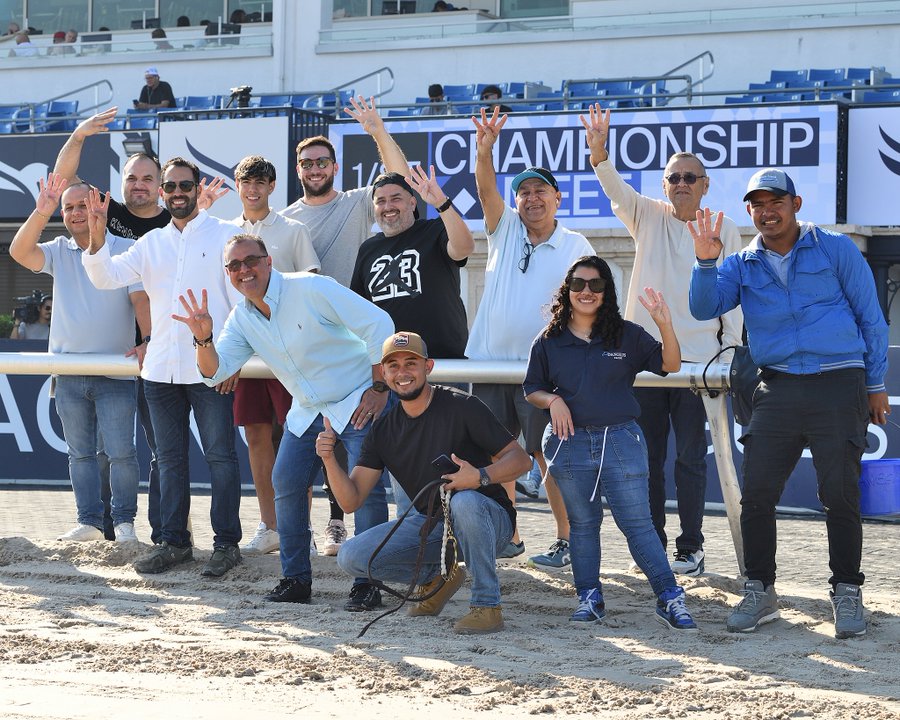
point(82, 635)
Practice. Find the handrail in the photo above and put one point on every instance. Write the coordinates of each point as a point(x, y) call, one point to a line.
point(335, 92)
point(95, 86)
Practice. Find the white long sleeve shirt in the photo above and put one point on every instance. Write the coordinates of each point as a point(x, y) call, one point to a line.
point(170, 262)
point(663, 259)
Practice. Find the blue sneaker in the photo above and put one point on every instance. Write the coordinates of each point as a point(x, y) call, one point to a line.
point(591, 607)
point(672, 612)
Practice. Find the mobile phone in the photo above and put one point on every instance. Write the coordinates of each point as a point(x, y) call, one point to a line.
point(444, 465)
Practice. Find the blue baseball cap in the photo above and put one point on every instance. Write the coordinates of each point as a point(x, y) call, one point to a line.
point(774, 180)
point(537, 173)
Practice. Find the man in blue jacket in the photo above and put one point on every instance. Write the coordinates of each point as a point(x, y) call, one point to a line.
point(817, 332)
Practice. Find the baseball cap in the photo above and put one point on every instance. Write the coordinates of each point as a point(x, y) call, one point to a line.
point(151, 71)
point(404, 342)
point(534, 172)
point(774, 180)
point(395, 178)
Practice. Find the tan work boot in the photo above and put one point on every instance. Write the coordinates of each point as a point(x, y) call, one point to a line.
point(479, 621)
point(434, 605)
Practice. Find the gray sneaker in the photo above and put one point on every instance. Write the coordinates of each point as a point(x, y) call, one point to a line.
point(162, 557)
point(759, 606)
point(846, 601)
point(222, 560)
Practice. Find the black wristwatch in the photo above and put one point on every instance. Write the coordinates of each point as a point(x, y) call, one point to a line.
point(380, 386)
point(485, 478)
point(444, 206)
point(145, 339)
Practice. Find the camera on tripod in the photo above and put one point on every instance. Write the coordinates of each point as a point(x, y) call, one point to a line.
point(240, 96)
point(28, 308)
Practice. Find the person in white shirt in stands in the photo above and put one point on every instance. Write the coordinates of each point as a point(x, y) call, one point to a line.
point(168, 260)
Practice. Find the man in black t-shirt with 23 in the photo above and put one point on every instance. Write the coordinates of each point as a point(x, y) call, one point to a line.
point(429, 421)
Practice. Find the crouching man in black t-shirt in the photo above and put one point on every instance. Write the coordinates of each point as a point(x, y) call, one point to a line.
point(429, 421)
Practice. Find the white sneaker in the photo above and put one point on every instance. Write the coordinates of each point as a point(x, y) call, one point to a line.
point(264, 542)
point(689, 563)
point(82, 533)
point(335, 534)
point(125, 532)
point(313, 550)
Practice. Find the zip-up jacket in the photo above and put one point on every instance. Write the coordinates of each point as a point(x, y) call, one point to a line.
point(826, 318)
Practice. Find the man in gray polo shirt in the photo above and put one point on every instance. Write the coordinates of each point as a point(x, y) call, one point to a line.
point(88, 320)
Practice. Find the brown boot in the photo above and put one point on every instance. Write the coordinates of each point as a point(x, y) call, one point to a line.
point(479, 621)
point(434, 605)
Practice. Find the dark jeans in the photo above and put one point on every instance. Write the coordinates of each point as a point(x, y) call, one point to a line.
point(688, 418)
point(170, 406)
point(829, 413)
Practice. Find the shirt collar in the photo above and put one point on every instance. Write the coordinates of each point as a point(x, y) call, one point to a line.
point(273, 292)
point(268, 220)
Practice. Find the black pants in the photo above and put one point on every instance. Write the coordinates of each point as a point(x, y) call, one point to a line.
point(829, 413)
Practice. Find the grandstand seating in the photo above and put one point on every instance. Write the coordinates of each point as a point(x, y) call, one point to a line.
point(67, 109)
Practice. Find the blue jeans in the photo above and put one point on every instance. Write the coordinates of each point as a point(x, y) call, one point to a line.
point(295, 468)
point(170, 406)
point(623, 481)
point(685, 408)
point(153, 478)
point(85, 403)
point(480, 524)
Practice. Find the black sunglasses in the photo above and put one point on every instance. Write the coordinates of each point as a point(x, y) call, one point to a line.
point(689, 178)
point(596, 285)
point(526, 256)
point(321, 163)
point(183, 185)
point(251, 261)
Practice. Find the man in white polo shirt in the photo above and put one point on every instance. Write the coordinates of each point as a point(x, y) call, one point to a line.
point(185, 252)
point(88, 320)
point(529, 253)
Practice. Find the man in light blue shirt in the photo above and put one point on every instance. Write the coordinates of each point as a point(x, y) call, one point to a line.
point(323, 342)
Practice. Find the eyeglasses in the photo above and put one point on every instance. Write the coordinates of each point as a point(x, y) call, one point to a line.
point(251, 261)
point(321, 163)
point(526, 256)
point(183, 185)
point(596, 285)
point(689, 178)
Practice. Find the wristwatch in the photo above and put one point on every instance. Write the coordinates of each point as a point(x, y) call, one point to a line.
point(380, 386)
point(146, 339)
point(485, 478)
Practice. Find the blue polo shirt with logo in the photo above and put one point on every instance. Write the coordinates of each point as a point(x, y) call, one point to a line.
point(593, 379)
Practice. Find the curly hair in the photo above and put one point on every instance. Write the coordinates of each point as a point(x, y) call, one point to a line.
point(608, 324)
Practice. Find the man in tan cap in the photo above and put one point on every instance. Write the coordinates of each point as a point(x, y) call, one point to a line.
point(433, 430)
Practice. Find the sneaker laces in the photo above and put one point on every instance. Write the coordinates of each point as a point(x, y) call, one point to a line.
point(846, 606)
point(589, 602)
point(335, 533)
point(557, 548)
point(682, 556)
point(751, 601)
point(677, 609)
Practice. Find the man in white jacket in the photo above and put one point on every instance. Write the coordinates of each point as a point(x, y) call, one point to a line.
point(664, 257)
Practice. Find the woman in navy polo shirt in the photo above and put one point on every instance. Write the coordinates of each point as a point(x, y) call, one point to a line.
point(582, 368)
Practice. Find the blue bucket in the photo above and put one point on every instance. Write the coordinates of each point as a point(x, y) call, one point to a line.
point(879, 487)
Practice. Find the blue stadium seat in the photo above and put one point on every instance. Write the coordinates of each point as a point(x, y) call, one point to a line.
point(116, 124)
point(788, 76)
point(200, 102)
point(459, 91)
point(512, 89)
point(881, 96)
point(768, 85)
point(835, 76)
point(583, 89)
point(7, 115)
point(861, 73)
point(62, 109)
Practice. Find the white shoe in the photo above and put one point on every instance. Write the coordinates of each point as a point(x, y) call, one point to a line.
point(313, 550)
point(689, 563)
point(335, 534)
point(82, 533)
point(265, 541)
point(125, 532)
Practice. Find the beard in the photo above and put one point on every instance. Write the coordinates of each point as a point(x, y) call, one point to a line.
point(313, 192)
point(184, 211)
point(411, 394)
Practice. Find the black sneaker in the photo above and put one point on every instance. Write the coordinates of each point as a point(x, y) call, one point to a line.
point(222, 560)
point(162, 557)
point(290, 590)
point(363, 596)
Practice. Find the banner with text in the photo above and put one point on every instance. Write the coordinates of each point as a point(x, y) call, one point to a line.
point(732, 143)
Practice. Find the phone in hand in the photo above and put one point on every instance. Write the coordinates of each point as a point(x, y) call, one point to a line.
point(444, 465)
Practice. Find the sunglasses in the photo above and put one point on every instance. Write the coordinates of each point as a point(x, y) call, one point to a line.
point(321, 163)
point(251, 261)
point(689, 178)
point(526, 256)
point(183, 185)
point(596, 285)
